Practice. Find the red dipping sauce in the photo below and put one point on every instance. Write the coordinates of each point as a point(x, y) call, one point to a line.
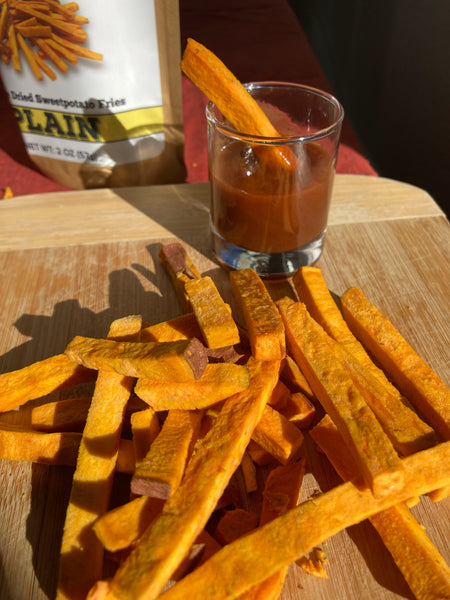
point(261, 207)
point(270, 196)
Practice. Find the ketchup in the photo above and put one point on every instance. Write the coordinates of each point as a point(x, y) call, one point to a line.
point(260, 207)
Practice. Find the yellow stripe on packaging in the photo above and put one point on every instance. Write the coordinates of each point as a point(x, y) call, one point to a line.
point(111, 127)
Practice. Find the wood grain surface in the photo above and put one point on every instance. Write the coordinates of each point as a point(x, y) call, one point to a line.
point(72, 262)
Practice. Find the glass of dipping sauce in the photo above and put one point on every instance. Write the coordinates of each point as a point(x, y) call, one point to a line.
point(270, 197)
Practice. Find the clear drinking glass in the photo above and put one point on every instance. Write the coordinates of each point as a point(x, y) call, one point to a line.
point(270, 197)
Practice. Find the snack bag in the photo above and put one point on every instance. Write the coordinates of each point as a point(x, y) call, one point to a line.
point(96, 88)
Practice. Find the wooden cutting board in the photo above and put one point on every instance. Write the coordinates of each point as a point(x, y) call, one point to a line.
point(72, 262)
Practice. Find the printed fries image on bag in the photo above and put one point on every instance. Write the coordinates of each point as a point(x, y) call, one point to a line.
point(43, 32)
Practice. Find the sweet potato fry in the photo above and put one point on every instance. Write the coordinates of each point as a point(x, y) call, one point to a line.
point(293, 377)
point(62, 415)
point(182, 360)
point(279, 395)
point(321, 360)
point(52, 55)
point(183, 327)
point(264, 325)
point(281, 438)
point(282, 490)
point(299, 410)
point(163, 546)
point(180, 268)
point(213, 78)
point(3, 21)
point(45, 68)
point(70, 414)
point(259, 455)
point(415, 379)
point(212, 314)
point(407, 432)
point(219, 381)
point(145, 427)
point(56, 448)
point(293, 405)
point(423, 567)
point(273, 434)
point(248, 471)
point(39, 379)
point(160, 472)
point(281, 493)
point(120, 527)
point(15, 58)
point(77, 49)
point(62, 51)
point(34, 30)
point(30, 56)
point(74, 32)
point(233, 524)
point(81, 558)
point(314, 293)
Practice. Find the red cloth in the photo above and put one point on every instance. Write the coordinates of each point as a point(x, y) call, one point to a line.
point(258, 40)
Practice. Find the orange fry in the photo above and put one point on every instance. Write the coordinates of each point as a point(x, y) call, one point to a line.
point(181, 360)
point(160, 472)
point(34, 31)
point(44, 67)
point(322, 360)
point(3, 21)
point(120, 527)
point(73, 31)
point(145, 426)
point(52, 55)
point(281, 493)
point(77, 49)
point(30, 56)
point(221, 86)
point(81, 558)
point(265, 328)
point(39, 379)
point(281, 438)
point(14, 48)
point(55, 448)
point(218, 381)
point(63, 51)
point(415, 379)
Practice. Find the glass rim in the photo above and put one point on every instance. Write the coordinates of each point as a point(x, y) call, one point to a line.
point(285, 139)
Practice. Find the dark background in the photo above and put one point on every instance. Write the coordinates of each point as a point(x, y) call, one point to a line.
point(388, 62)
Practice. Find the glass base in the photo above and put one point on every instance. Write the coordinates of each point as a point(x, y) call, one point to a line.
point(266, 264)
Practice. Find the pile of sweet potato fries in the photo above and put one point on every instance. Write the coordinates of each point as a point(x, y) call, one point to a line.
point(194, 409)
